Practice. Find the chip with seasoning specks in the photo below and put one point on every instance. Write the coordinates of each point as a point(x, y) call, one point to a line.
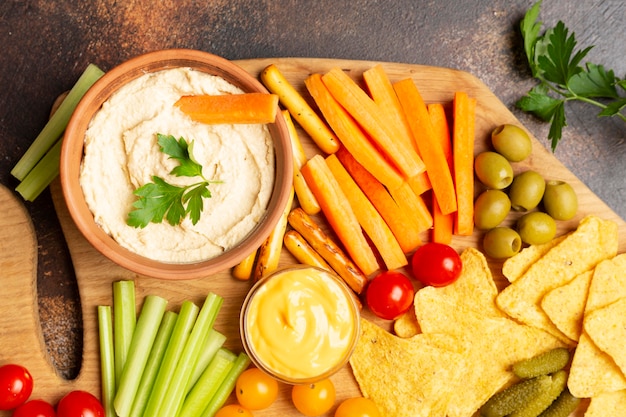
point(593, 371)
point(412, 377)
point(593, 241)
point(610, 404)
point(565, 305)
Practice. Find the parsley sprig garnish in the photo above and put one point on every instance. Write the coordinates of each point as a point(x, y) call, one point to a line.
point(158, 199)
point(557, 65)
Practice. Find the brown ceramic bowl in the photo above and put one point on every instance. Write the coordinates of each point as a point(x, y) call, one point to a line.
point(72, 154)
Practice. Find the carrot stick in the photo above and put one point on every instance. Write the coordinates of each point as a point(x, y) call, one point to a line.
point(383, 94)
point(351, 135)
point(328, 249)
point(402, 223)
point(423, 132)
point(369, 219)
point(410, 202)
point(463, 153)
point(230, 108)
point(306, 199)
point(339, 213)
point(442, 223)
point(306, 117)
point(367, 113)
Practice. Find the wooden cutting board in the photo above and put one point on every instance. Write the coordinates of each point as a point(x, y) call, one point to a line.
point(20, 334)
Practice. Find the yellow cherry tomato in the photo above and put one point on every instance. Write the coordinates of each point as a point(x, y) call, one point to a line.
point(314, 399)
point(233, 410)
point(357, 407)
point(256, 390)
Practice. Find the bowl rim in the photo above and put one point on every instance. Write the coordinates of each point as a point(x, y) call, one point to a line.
point(72, 152)
point(351, 299)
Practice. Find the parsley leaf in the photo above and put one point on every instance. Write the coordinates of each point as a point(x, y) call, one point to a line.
point(158, 199)
point(556, 64)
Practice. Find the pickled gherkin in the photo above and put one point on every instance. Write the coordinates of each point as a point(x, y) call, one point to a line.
point(547, 363)
point(562, 406)
point(515, 397)
point(546, 397)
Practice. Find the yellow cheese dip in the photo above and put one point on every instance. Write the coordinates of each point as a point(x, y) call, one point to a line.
point(300, 324)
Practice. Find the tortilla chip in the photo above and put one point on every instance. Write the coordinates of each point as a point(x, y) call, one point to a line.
point(405, 377)
point(515, 266)
point(593, 371)
point(406, 325)
point(593, 241)
point(610, 404)
point(565, 305)
point(608, 283)
point(475, 288)
point(492, 346)
point(606, 326)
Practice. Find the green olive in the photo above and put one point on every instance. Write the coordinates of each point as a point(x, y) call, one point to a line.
point(490, 209)
point(493, 170)
point(536, 228)
point(501, 242)
point(512, 142)
point(560, 200)
point(526, 190)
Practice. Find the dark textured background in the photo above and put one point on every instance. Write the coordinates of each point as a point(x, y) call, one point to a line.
point(46, 44)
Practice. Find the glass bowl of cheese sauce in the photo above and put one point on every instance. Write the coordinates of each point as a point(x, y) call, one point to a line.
point(300, 324)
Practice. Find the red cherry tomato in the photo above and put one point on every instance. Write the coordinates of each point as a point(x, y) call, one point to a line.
point(389, 294)
point(79, 404)
point(436, 264)
point(16, 385)
point(34, 408)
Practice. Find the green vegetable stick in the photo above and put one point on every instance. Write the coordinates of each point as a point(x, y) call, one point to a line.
point(107, 359)
point(154, 362)
point(53, 129)
point(214, 341)
point(186, 319)
point(208, 384)
point(41, 175)
point(227, 386)
point(124, 322)
point(178, 384)
point(145, 332)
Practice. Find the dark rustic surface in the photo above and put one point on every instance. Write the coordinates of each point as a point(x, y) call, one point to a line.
point(47, 43)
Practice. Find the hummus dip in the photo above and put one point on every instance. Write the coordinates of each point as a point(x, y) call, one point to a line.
point(121, 154)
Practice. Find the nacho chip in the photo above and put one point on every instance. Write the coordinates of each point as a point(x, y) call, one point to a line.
point(475, 288)
point(606, 326)
point(565, 305)
point(593, 241)
point(406, 325)
point(492, 346)
point(405, 377)
point(515, 266)
point(610, 404)
point(593, 371)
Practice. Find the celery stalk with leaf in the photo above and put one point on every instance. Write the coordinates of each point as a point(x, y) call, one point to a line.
point(557, 65)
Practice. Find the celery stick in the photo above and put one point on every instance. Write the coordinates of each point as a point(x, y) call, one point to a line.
point(227, 386)
point(124, 322)
point(154, 362)
point(184, 324)
point(53, 129)
point(146, 330)
point(208, 384)
point(107, 359)
point(42, 174)
point(213, 342)
point(178, 385)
